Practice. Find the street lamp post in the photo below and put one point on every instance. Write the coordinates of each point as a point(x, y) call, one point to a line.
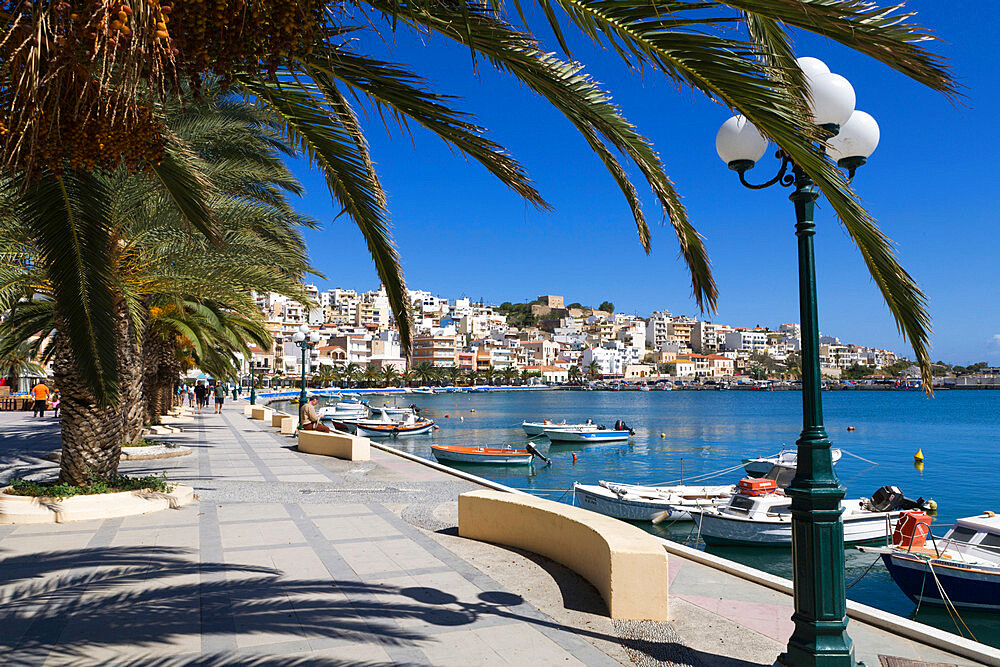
point(820, 636)
point(305, 339)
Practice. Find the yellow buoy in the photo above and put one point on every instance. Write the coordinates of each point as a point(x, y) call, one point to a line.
point(663, 435)
point(919, 456)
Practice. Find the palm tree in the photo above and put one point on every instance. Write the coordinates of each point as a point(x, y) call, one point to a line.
point(509, 374)
point(574, 372)
point(425, 373)
point(61, 122)
point(593, 370)
point(352, 372)
point(371, 375)
point(17, 362)
point(453, 373)
point(158, 266)
point(326, 375)
point(488, 374)
point(390, 376)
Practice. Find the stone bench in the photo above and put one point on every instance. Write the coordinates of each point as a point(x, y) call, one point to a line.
point(277, 418)
point(625, 564)
point(261, 413)
point(289, 425)
point(339, 445)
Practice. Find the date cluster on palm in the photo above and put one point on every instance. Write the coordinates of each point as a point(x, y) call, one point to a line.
point(80, 80)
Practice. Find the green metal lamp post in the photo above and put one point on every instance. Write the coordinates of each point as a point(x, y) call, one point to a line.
point(820, 636)
point(305, 339)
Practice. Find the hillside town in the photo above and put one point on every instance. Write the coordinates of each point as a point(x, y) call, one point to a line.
point(546, 339)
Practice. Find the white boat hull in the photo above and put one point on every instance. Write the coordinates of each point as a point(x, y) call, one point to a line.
point(596, 435)
point(538, 428)
point(761, 466)
point(722, 529)
point(641, 506)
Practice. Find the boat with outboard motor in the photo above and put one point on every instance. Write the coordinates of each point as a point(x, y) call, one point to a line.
point(960, 570)
point(386, 427)
point(538, 428)
point(488, 455)
point(759, 514)
point(599, 434)
point(760, 466)
point(347, 409)
point(633, 502)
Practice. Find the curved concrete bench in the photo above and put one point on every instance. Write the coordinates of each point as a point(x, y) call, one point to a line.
point(625, 564)
point(335, 443)
point(261, 413)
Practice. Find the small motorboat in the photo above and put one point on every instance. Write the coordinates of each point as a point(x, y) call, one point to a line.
point(760, 466)
point(646, 503)
point(423, 390)
point(599, 434)
point(386, 427)
point(346, 409)
point(538, 428)
point(487, 455)
point(961, 569)
point(760, 514)
point(633, 502)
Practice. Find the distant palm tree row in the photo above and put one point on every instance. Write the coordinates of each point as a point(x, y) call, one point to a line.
point(420, 374)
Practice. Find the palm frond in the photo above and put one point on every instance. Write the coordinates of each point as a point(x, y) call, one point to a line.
point(344, 162)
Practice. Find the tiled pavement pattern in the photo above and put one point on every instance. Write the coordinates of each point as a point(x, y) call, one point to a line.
point(292, 559)
point(287, 559)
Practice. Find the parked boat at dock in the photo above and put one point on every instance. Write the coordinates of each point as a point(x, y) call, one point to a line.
point(598, 434)
point(760, 515)
point(960, 570)
point(386, 427)
point(633, 502)
point(486, 455)
point(538, 428)
point(760, 466)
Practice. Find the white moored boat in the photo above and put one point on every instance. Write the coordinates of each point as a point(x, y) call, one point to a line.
point(645, 503)
point(787, 457)
point(538, 428)
point(385, 427)
point(764, 518)
point(561, 436)
point(348, 409)
point(634, 502)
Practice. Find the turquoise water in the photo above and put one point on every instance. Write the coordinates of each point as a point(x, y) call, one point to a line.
point(958, 431)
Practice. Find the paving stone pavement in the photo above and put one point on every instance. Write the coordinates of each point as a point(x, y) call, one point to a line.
point(289, 559)
point(286, 558)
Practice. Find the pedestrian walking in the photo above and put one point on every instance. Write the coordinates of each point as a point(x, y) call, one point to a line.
point(220, 397)
point(41, 394)
point(190, 394)
point(201, 394)
point(56, 400)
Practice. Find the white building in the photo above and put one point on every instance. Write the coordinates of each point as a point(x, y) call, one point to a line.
point(746, 340)
point(657, 332)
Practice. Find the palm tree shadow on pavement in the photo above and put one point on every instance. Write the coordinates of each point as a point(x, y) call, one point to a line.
point(74, 605)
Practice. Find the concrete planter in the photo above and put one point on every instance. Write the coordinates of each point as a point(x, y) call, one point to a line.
point(153, 452)
point(27, 509)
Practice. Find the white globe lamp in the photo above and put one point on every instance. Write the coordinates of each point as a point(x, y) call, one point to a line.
point(856, 141)
point(739, 143)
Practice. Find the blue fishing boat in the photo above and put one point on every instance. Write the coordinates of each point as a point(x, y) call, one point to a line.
point(960, 570)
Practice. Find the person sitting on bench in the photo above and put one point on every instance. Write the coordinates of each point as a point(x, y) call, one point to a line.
point(309, 419)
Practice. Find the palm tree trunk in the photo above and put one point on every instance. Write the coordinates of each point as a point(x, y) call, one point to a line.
point(91, 433)
point(130, 363)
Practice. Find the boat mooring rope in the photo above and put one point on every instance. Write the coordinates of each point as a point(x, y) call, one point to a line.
point(867, 570)
point(858, 457)
point(949, 605)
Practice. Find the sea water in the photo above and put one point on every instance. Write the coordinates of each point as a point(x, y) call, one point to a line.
point(688, 433)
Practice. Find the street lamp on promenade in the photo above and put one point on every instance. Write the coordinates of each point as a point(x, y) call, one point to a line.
point(305, 339)
point(820, 636)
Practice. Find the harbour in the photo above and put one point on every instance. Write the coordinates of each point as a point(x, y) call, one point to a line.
point(709, 431)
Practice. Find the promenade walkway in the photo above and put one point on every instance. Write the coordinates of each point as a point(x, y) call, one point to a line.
point(290, 559)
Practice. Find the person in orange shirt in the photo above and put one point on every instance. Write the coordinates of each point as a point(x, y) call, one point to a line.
point(41, 393)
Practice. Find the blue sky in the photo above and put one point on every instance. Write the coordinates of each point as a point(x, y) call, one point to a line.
point(462, 233)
